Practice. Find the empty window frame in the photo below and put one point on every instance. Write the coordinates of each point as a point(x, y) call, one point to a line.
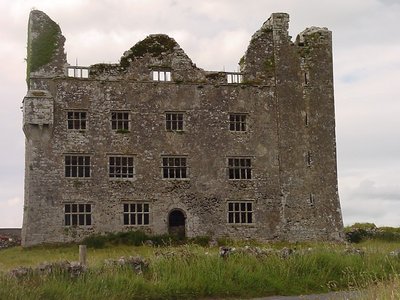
point(78, 72)
point(161, 75)
point(174, 121)
point(121, 166)
point(240, 212)
point(120, 120)
point(239, 168)
point(136, 214)
point(174, 167)
point(76, 120)
point(77, 165)
point(78, 214)
point(234, 78)
point(237, 122)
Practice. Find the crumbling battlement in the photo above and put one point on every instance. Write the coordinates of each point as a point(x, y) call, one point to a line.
point(155, 143)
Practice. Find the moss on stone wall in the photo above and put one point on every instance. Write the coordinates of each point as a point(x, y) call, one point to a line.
point(154, 45)
point(42, 47)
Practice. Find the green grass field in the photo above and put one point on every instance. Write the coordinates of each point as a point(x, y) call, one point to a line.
point(193, 271)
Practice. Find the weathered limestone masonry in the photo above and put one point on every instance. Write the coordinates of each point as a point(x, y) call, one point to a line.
point(157, 144)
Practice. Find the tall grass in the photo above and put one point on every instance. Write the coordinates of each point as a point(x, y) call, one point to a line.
point(192, 271)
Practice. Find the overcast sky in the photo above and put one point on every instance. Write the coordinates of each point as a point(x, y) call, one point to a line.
point(215, 34)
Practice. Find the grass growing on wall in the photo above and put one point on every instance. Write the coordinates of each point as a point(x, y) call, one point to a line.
point(41, 49)
point(193, 271)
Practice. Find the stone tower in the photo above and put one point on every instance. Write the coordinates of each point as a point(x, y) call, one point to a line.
point(155, 143)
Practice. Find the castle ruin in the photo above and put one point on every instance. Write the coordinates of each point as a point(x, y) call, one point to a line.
point(155, 143)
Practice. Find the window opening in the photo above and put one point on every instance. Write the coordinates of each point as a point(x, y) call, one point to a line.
point(312, 199)
point(121, 167)
point(305, 78)
point(77, 166)
point(240, 212)
point(234, 78)
point(239, 168)
point(160, 75)
point(174, 121)
point(78, 72)
point(136, 214)
point(78, 214)
point(309, 159)
point(237, 122)
point(174, 168)
point(76, 120)
point(120, 120)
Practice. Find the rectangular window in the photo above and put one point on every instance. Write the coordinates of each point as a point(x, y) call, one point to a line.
point(240, 212)
point(120, 120)
point(239, 168)
point(121, 167)
point(174, 167)
point(76, 120)
point(174, 121)
point(78, 214)
point(78, 72)
point(77, 166)
point(136, 214)
point(237, 122)
point(161, 75)
point(234, 78)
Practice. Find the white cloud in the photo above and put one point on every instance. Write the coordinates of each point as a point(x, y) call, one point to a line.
point(11, 212)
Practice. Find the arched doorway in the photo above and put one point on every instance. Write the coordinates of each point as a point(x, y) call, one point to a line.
point(176, 223)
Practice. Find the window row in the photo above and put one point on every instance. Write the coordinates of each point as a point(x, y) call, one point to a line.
point(173, 167)
point(156, 75)
point(138, 214)
point(174, 121)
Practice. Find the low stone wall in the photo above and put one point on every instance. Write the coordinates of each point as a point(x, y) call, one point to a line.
point(10, 237)
point(11, 232)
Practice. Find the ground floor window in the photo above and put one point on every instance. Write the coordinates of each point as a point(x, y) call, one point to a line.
point(78, 214)
point(136, 214)
point(240, 212)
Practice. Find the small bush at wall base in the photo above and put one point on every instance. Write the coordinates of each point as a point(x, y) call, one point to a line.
point(359, 232)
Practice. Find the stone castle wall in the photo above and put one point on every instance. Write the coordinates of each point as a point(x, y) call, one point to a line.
point(286, 94)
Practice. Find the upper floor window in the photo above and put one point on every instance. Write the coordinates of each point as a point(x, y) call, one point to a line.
point(174, 167)
point(136, 214)
point(121, 167)
point(161, 75)
point(78, 72)
point(234, 78)
point(76, 120)
point(237, 122)
point(77, 214)
point(120, 120)
point(174, 121)
point(77, 166)
point(239, 168)
point(240, 212)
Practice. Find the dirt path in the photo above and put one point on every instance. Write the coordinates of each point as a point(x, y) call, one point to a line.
point(329, 296)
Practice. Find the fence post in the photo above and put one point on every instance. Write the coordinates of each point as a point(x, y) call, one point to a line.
point(82, 255)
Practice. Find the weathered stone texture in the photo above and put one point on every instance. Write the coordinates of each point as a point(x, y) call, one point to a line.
point(286, 94)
